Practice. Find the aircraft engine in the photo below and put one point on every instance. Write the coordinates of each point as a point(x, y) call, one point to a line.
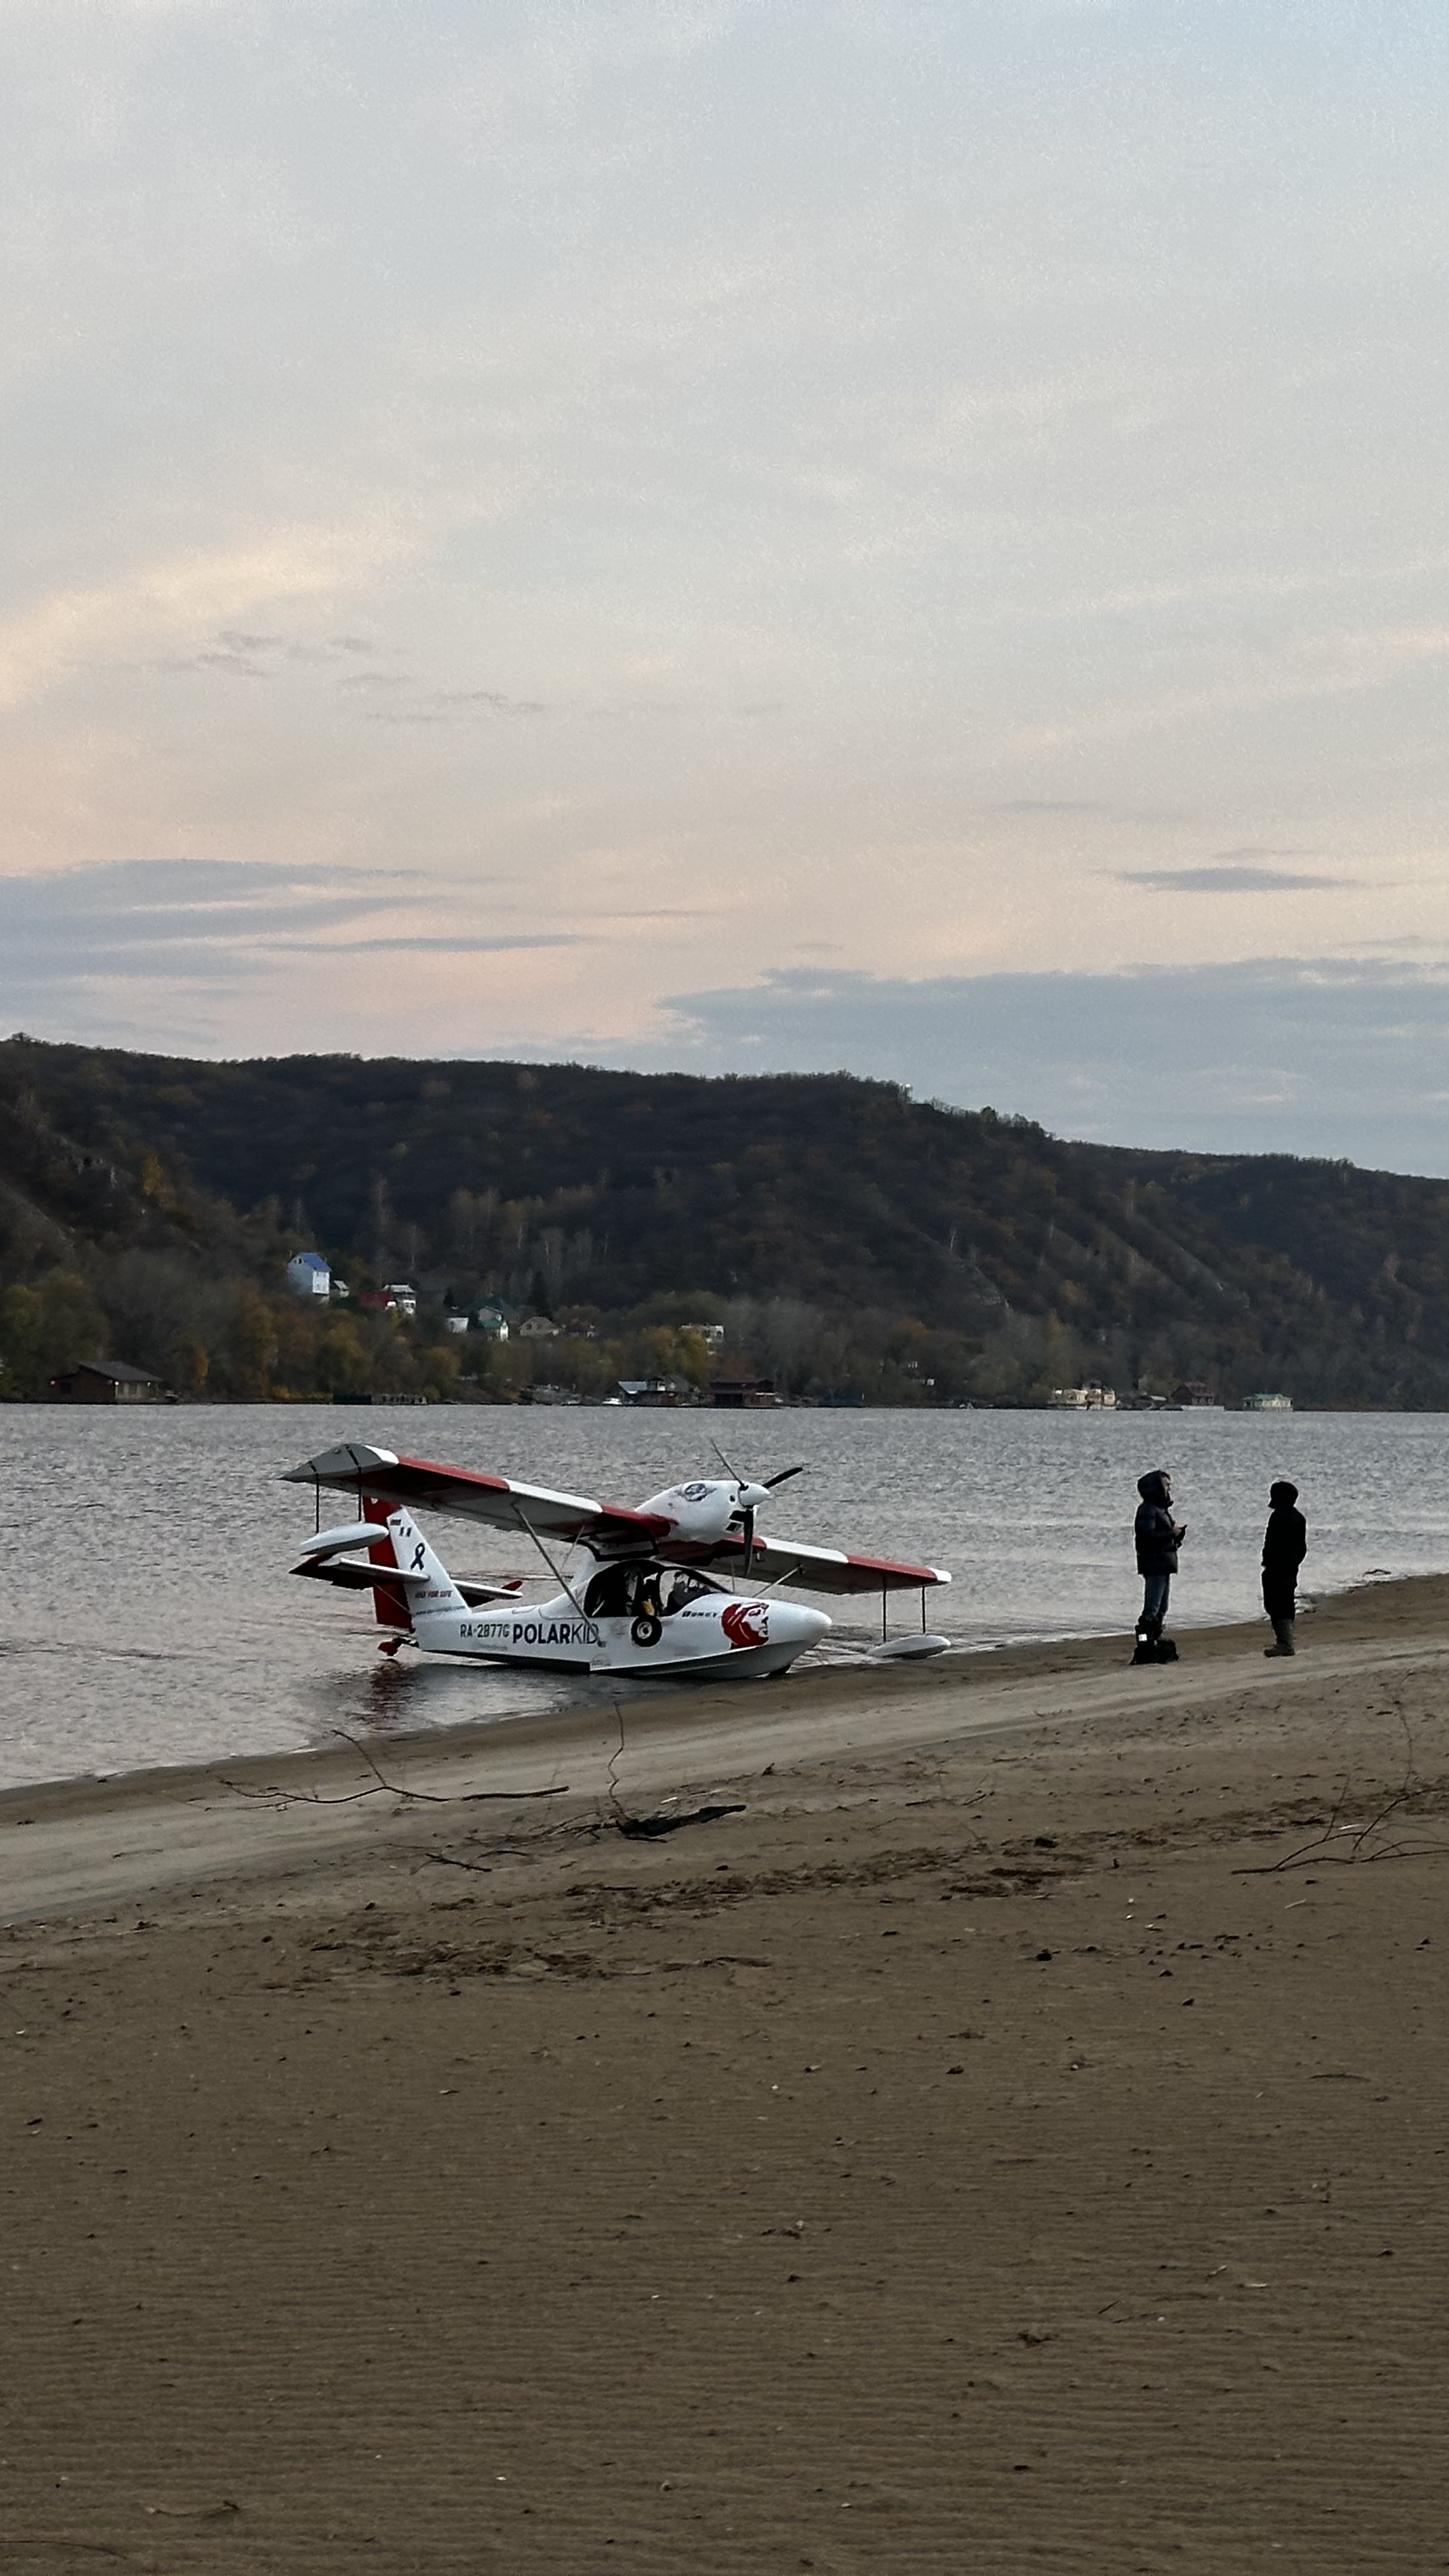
point(701, 1510)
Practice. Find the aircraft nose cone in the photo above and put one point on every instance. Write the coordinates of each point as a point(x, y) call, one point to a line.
point(813, 1625)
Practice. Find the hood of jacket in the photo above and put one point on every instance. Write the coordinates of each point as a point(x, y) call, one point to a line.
point(1153, 1488)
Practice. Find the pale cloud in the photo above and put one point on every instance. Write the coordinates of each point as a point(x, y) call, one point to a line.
point(119, 12)
point(1313, 667)
point(175, 596)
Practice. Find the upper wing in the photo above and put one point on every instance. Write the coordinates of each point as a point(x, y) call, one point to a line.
point(815, 1569)
point(355, 1469)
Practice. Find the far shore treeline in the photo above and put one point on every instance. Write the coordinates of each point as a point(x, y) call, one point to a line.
point(855, 1244)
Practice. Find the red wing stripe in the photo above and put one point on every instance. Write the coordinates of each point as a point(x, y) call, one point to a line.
point(649, 1524)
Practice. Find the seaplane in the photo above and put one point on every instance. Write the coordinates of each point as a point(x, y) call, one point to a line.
point(683, 1585)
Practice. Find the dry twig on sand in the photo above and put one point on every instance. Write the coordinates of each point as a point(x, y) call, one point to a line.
point(1317, 1855)
point(380, 1786)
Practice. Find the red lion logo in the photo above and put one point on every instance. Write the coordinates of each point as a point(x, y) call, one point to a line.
point(747, 1623)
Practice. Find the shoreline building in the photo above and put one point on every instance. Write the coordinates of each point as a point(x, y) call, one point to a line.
point(108, 1382)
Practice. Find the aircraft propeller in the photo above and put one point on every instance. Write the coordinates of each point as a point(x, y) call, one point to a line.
point(748, 1510)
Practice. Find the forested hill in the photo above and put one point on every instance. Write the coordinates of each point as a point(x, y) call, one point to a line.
point(821, 1216)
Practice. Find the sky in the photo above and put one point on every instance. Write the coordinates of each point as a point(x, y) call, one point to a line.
point(739, 535)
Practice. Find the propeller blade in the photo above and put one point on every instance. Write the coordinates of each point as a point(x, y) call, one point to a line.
point(725, 1463)
point(783, 1478)
point(749, 1541)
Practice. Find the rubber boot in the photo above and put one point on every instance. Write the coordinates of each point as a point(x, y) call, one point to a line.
point(1283, 1634)
point(1149, 1636)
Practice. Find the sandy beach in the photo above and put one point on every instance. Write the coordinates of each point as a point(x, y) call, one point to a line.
point(1015, 2136)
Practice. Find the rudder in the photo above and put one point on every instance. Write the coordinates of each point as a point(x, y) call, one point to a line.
point(389, 1600)
point(425, 1586)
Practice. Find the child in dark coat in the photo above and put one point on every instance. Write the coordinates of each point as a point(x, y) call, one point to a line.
point(1157, 1537)
point(1285, 1545)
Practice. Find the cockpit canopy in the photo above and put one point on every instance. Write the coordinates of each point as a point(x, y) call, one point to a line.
point(644, 1591)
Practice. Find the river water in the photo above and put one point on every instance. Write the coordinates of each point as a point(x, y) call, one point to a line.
point(147, 1617)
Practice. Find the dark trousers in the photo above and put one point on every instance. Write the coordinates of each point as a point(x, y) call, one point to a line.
point(1155, 1590)
point(1280, 1595)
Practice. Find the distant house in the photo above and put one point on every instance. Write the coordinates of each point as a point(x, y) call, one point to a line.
point(537, 1328)
point(308, 1275)
point(455, 1323)
point(654, 1392)
point(1194, 1391)
point(397, 1298)
point(744, 1394)
point(712, 1335)
point(1267, 1404)
point(108, 1382)
point(1084, 1399)
point(492, 1321)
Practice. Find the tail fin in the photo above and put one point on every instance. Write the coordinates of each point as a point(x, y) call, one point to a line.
point(389, 1600)
point(424, 1585)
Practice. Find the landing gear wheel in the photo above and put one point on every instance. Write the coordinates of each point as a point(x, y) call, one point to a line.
point(647, 1630)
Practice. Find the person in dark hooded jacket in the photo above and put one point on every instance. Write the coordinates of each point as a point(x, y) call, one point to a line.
point(1158, 1537)
point(1285, 1545)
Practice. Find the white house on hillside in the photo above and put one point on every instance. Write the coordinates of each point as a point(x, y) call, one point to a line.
point(308, 1275)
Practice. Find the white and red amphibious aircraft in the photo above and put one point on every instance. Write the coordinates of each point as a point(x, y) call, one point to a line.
point(657, 1598)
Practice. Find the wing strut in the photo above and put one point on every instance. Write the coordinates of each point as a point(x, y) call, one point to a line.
point(556, 1571)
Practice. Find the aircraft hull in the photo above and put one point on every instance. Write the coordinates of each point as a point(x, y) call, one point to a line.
point(692, 1645)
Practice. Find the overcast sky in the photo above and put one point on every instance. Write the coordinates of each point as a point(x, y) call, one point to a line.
point(906, 534)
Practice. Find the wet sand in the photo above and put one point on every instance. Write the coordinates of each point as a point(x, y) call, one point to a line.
point(1016, 2139)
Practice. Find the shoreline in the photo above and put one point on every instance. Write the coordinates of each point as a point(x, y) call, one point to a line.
point(1412, 1605)
point(256, 1816)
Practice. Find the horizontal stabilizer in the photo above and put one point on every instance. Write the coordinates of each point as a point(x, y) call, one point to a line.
point(350, 1576)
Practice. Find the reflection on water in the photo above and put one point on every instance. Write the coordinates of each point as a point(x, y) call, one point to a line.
point(147, 1615)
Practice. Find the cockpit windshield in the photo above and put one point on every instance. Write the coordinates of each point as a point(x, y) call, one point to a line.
point(639, 1592)
point(689, 1587)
